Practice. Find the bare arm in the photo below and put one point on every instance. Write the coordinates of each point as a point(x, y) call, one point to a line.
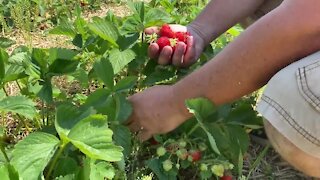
point(289, 32)
point(281, 37)
point(220, 15)
point(215, 19)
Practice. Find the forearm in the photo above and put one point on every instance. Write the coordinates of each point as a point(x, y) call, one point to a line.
point(246, 64)
point(220, 15)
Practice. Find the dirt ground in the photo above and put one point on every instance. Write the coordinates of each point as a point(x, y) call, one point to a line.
point(270, 167)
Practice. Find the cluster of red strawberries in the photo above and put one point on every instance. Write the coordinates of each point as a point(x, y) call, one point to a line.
point(170, 38)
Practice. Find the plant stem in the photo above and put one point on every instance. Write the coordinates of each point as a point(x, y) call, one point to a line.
point(4, 153)
point(5, 91)
point(193, 129)
point(55, 159)
point(19, 86)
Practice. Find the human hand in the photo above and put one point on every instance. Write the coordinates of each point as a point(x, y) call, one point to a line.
point(184, 55)
point(156, 111)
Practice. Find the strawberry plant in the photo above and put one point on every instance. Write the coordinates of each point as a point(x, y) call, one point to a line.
point(82, 135)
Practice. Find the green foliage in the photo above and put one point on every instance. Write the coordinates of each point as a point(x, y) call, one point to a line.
point(83, 134)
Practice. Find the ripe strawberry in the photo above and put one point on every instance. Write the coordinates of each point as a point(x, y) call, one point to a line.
point(195, 155)
point(182, 36)
point(153, 141)
point(166, 31)
point(226, 177)
point(162, 42)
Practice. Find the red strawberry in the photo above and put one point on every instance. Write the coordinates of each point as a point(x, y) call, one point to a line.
point(162, 42)
point(166, 31)
point(153, 141)
point(226, 177)
point(182, 36)
point(195, 155)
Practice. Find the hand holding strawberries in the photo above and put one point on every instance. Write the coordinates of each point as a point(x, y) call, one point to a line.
point(178, 45)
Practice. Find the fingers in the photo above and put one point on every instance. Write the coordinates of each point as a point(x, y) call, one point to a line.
point(142, 133)
point(153, 51)
point(177, 58)
point(152, 30)
point(165, 56)
point(189, 56)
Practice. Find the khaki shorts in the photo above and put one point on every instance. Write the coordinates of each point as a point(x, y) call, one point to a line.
point(291, 103)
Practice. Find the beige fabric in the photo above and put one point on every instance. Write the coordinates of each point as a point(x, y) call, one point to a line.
point(266, 7)
point(291, 103)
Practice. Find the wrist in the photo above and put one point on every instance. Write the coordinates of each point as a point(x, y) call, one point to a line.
point(205, 33)
point(178, 98)
point(194, 30)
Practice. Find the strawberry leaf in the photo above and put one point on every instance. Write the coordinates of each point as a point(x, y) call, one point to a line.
point(31, 155)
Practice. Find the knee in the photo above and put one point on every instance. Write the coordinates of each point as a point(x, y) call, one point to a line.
point(300, 160)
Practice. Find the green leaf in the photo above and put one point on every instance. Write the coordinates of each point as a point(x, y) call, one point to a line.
point(5, 42)
point(31, 155)
point(104, 71)
point(245, 115)
point(156, 166)
point(102, 101)
point(14, 72)
point(82, 76)
point(39, 57)
point(156, 16)
point(159, 75)
point(213, 143)
point(128, 41)
point(119, 59)
point(125, 84)
point(101, 170)
point(64, 28)
point(105, 29)
point(46, 93)
point(20, 105)
point(202, 108)
point(138, 9)
point(78, 41)
point(93, 138)
point(63, 61)
point(123, 108)
point(230, 140)
point(122, 137)
point(3, 59)
point(8, 172)
point(67, 117)
point(65, 166)
point(132, 25)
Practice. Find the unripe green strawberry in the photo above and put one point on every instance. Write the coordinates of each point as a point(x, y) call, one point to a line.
point(161, 151)
point(202, 146)
point(182, 154)
point(178, 166)
point(203, 167)
point(218, 170)
point(228, 166)
point(182, 143)
point(167, 165)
